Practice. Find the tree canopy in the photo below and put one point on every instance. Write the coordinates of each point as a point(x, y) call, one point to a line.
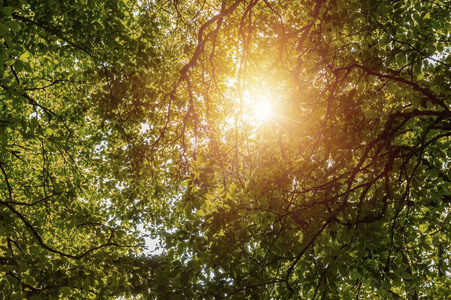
point(274, 149)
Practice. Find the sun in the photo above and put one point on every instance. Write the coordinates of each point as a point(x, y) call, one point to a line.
point(262, 111)
point(258, 106)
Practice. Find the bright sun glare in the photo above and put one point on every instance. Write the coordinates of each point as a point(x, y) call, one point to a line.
point(262, 111)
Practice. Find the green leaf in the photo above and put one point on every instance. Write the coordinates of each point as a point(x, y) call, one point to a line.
point(423, 227)
point(3, 28)
point(13, 25)
point(24, 55)
point(48, 131)
point(10, 62)
point(7, 10)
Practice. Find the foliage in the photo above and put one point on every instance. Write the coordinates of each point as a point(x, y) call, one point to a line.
point(122, 115)
point(74, 184)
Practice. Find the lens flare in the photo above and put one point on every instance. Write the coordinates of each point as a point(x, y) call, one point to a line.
point(262, 111)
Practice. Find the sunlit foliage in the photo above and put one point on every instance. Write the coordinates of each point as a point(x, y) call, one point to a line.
point(274, 149)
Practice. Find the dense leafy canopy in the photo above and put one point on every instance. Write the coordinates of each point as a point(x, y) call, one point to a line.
point(122, 120)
